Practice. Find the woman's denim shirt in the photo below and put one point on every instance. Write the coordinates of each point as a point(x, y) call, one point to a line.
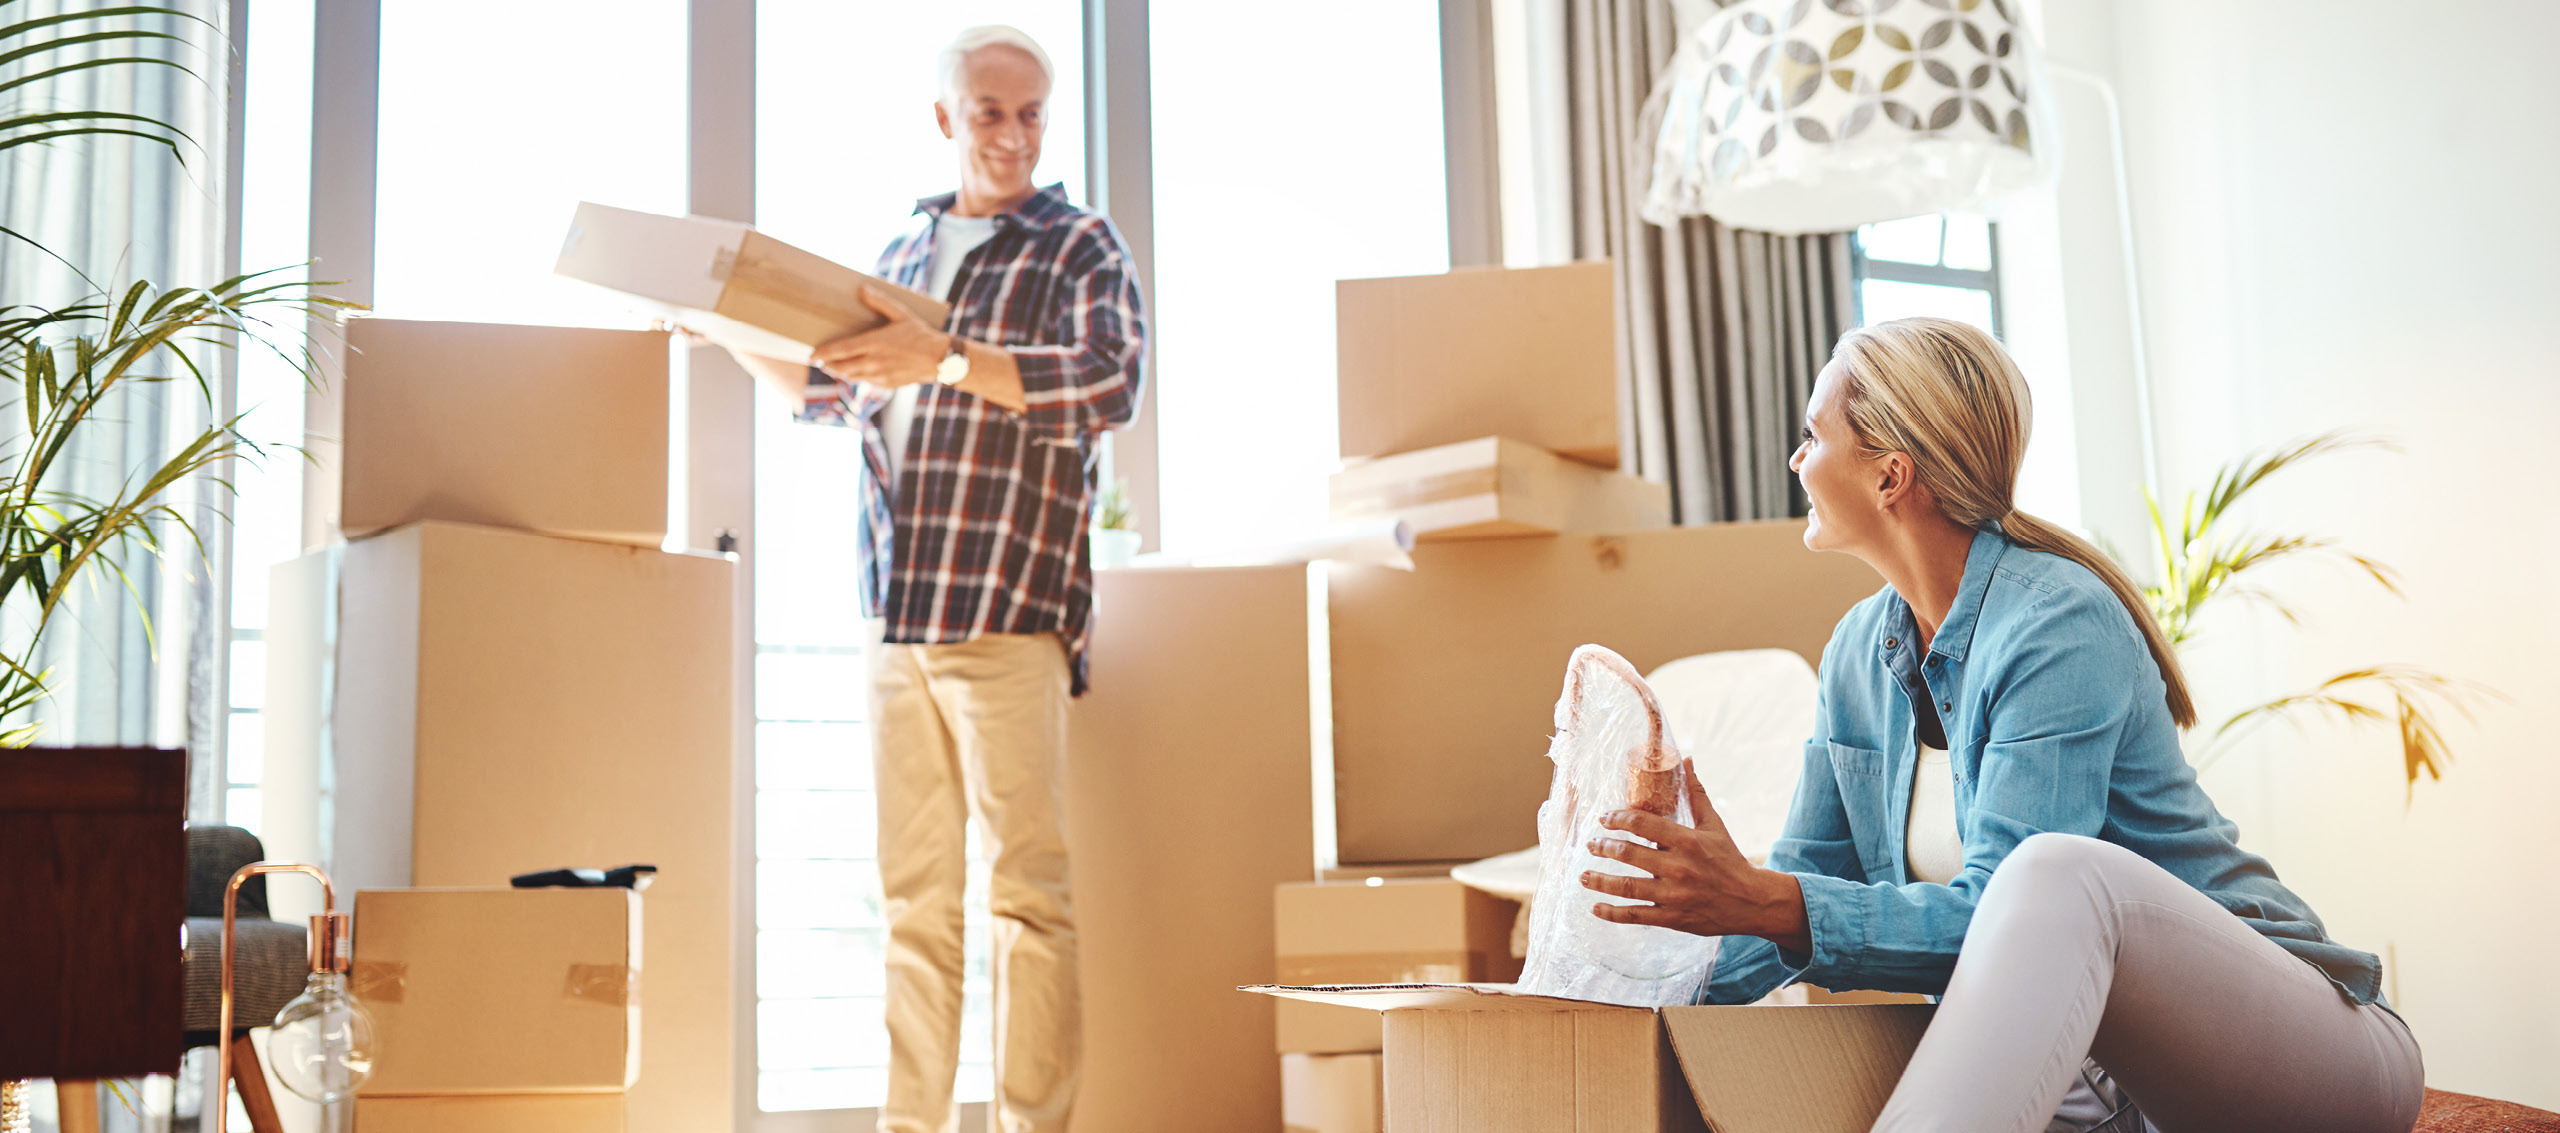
point(2056, 720)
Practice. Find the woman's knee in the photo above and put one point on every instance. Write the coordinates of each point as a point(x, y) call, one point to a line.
point(2048, 861)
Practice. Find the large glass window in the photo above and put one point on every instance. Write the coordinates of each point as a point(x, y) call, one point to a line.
point(1317, 155)
point(846, 143)
point(497, 118)
point(266, 508)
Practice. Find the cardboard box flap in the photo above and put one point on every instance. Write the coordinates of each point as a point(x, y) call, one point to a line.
point(1443, 997)
point(1754, 1069)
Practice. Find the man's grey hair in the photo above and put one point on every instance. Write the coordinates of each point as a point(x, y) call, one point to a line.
point(988, 35)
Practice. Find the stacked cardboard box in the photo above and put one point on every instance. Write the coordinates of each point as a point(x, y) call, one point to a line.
point(1483, 403)
point(499, 1008)
point(501, 672)
point(1377, 930)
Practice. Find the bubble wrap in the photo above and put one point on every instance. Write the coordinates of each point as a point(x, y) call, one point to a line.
point(1611, 753)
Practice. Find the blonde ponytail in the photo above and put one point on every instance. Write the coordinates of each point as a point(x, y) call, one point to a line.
point(1947, 394)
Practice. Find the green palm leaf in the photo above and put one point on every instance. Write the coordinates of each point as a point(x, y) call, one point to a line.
point(2203, 560)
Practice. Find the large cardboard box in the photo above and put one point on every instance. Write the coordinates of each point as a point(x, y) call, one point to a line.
point(727, 281)
point(1387, 930)
point(1445, 677)
point(496, 702)
point(1493, 487)
point(1332, 1093)
point(1486, 1059)
point(554, 429)
point(1189, 797)
point(1525, 353)
point(500, 991)
point(498, 1113)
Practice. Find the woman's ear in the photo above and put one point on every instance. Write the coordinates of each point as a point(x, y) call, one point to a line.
point(1895, 480)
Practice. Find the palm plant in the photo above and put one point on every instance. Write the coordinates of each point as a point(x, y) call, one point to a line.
point(75, 364)
point(2203, 559)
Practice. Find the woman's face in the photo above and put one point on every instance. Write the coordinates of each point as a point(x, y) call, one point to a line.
point(1840, 480)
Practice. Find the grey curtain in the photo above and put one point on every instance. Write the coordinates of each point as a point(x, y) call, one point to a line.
point(1720, 331)
point(116, 211)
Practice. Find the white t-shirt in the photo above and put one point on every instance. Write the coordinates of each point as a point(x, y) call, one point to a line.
point(1930, 843)
point(954, 237)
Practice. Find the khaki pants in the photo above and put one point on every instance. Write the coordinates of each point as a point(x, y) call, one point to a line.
point(976, 729)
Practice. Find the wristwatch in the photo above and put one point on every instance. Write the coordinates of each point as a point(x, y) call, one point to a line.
point(954, 367)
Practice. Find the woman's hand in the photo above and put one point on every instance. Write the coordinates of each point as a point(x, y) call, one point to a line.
point(1700, 883)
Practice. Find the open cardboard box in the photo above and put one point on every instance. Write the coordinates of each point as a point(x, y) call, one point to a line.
point(1486, 1058)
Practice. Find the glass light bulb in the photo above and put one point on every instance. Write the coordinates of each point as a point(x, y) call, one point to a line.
point(322, 1047)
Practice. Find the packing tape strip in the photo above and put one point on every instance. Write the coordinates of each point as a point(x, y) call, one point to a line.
point(1424, 967)
point(610, 984)
point(378, 981)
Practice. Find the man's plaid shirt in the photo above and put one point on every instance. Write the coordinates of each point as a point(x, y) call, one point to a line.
point(987, 530)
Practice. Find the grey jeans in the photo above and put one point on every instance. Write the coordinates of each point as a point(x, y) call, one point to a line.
point(2082, 949)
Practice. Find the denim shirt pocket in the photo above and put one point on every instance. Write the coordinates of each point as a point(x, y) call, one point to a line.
point(1866, 794)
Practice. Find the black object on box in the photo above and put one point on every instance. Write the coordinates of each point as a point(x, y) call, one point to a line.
point(632, 877)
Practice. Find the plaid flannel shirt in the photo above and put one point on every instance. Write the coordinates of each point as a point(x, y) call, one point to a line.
point(986, 533)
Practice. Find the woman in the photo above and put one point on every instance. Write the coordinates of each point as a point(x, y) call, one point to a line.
point(2061, 879)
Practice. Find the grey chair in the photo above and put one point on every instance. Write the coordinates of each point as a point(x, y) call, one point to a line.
point(269, 971)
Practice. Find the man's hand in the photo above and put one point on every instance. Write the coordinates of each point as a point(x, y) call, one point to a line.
point(901, 353)
point(1700, 882)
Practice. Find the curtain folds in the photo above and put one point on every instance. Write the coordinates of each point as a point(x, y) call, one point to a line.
point(1720, 331)
point(129, 666)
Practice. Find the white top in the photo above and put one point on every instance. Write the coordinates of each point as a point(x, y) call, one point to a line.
point(954, 237)
point(1931, 846)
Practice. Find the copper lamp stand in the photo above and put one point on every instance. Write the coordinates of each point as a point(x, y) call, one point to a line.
point(328, 954)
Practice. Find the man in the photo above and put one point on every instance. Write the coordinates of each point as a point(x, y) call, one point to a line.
point(979, 445)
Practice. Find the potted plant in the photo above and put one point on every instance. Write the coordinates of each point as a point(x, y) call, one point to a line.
point(1115, 534)
point(68, 368)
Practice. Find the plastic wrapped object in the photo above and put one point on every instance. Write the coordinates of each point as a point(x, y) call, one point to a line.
point(1743, 716)
point(1612, 752)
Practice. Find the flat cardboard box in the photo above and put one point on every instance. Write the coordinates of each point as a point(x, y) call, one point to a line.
point(496, 1113)
point(1526, 353)
point(1495, 487)
point(1188, 799)
point(727, 281)
point(499, 702)
point(500, 991)
point(1487, 1059)
point(1445, 677)
point(1401, 930)
point(1332, 1093)
point(561, 430)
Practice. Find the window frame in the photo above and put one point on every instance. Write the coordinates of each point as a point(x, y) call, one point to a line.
point(1987, 280)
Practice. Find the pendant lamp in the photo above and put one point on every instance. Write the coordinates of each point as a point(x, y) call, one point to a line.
point(1796, 116)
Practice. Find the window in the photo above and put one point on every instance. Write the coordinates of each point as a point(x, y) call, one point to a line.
point(1947, 266)
point(266, 508)
point(497, 118)
point(846, 144)
point(1283, 181)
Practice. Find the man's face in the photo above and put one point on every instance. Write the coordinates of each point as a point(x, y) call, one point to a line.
point(997, 114)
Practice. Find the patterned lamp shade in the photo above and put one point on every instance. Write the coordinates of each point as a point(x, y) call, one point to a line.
point(1797, 116)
